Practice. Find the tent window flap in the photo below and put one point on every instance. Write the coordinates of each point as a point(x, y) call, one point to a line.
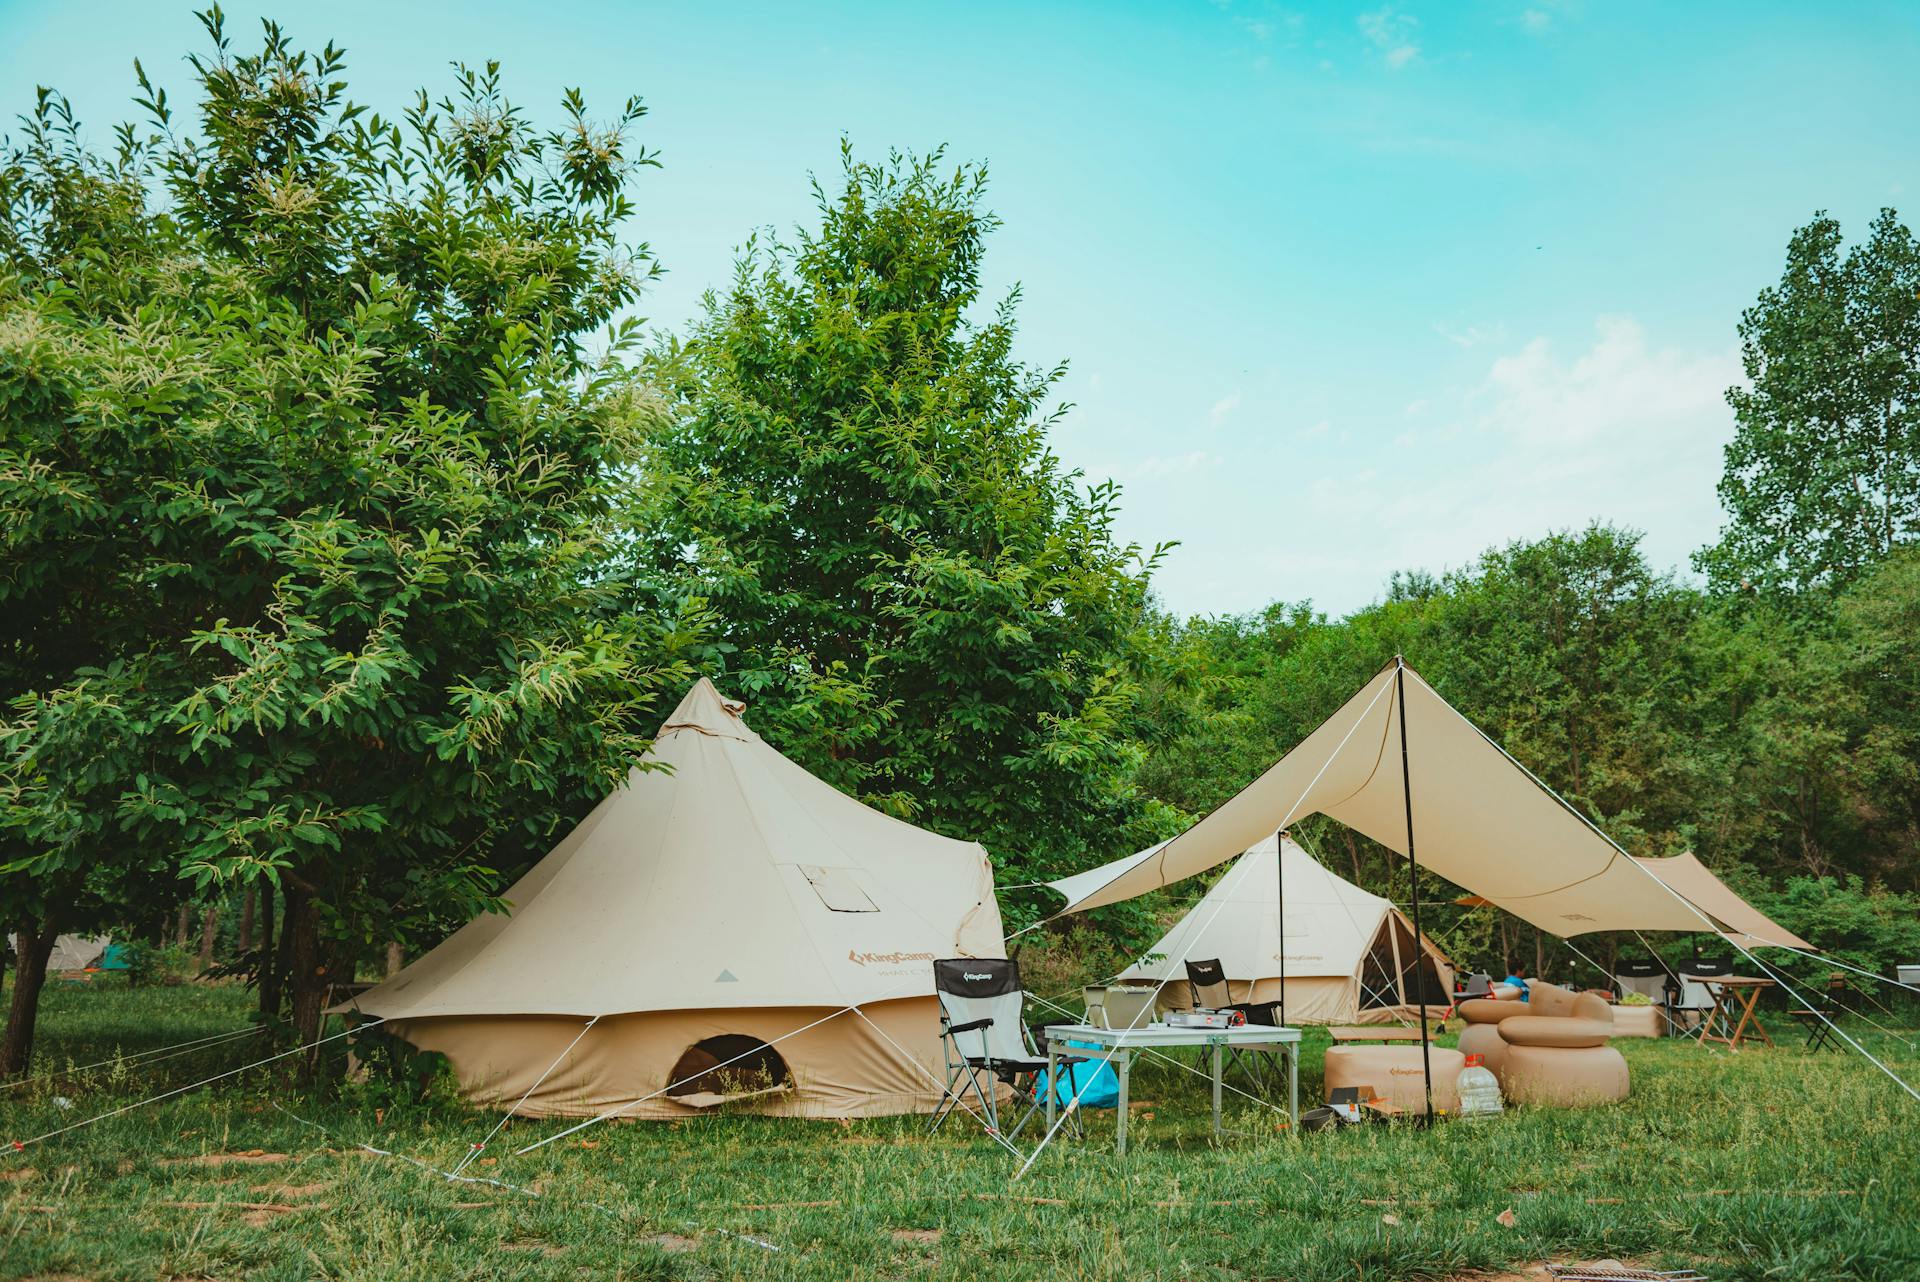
point(838, 889)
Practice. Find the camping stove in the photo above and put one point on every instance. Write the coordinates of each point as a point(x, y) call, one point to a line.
point(1203, 1018)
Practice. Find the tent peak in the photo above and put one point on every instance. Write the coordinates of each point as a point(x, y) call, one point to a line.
point(709, 712)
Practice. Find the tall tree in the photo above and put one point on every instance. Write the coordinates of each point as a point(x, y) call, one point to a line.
point(929, 610)
point(1823, 473)
point(341, 483)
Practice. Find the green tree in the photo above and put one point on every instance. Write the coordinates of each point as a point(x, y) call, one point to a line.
point(1823, 474)
point(927, 609)
point(331, 496)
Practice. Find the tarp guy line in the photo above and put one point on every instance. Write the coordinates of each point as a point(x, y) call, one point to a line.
point(1106, 1059)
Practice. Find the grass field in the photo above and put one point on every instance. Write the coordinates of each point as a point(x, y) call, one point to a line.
point(1773, 1164)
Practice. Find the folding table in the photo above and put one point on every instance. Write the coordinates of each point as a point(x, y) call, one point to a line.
point(1122, 1044)
point(1735, 993)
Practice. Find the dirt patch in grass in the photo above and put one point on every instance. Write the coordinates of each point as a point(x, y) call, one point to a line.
point(294, 1190)
point(251, 1157)
point(19, 1173)
point(921, 1237)
point(674, 1242)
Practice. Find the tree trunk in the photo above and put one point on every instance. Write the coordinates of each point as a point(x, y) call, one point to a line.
point(396, 958)
point(309, 976)
point(274, 961)
point(34, 943)
point(209, 935)
point(244, 943)
point(1539, 953)
point(180, 926)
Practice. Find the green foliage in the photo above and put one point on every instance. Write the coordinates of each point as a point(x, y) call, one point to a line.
point(923, 606)
point(1823, 474)
point(1867, 926)
point(308, 490)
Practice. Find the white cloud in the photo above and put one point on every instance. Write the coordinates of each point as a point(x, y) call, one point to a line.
point(1317, 431)
point(1164, 465)
point(1393, 34)
point(1222, 408)
point(1536, 20)
point(1472, 335)
point(1415, 408)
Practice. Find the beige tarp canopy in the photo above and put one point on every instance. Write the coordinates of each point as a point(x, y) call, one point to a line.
point(1479, 819)
point(1738, 920)
point(700, 910)
point(1350, 956)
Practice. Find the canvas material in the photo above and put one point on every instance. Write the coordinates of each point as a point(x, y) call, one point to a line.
point(1332, 926)
point(1479, 820)
point(972, 989)
point(689, 889)
point(842, 1068)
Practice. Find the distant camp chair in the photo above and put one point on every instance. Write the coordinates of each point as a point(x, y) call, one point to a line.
point(1828, 1008)
point(981, 1031)
point(1697, 996)
point(1479, 984)
point(1207, 982)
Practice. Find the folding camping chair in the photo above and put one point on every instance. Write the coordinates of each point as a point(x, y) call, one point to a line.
point(1479, 984)
point(981, 1031)
point(1820, 1020)
point(1207, 982)
point(1692, 1000)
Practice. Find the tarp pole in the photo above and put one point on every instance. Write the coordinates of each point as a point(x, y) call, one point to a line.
point(1280, 875)
point(1413, 876)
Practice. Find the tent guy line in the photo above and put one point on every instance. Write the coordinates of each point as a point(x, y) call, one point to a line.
point(506, 1117)
point(454, 1177)
point(17, 1145)
point(151, 1056)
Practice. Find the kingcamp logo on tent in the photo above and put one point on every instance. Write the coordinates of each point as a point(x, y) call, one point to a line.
point(885, 959)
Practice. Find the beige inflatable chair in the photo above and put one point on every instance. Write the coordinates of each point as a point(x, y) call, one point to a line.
point(1557, 1052)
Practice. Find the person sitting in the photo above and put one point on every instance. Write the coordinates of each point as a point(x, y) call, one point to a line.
point(1518, 978)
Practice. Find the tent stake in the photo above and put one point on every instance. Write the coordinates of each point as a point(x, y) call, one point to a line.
point(1413, 877)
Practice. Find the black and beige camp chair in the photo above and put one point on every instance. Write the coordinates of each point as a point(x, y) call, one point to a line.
point(1207, 981)
point(1693, 1005)
point(981, 1004)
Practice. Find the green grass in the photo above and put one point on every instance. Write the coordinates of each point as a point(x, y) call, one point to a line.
point(1772, 1164)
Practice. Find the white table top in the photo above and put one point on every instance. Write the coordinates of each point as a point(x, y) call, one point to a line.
point(1164, 1035)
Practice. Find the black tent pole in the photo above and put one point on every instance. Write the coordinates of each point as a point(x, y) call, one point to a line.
point(1413, 876)
point(1280, 873)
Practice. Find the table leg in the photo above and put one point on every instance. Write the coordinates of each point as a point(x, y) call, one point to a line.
point(1120, 1123)
point(1293, 1085)
point(1216, 1090)
point(1053, 1066)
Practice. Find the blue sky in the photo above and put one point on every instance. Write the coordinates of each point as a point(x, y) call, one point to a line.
point(1344, 289)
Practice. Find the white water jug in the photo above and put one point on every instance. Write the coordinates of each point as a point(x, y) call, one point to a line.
point(1479, 1090)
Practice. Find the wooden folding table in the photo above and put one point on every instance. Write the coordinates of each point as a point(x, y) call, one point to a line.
point(1735, 994)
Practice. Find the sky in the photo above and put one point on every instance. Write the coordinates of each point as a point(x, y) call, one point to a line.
point(1343, 289)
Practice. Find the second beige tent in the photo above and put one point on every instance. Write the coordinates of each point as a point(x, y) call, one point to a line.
point(1349, 955)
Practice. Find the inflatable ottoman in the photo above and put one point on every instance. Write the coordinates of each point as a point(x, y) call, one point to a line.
point(1393, 1071)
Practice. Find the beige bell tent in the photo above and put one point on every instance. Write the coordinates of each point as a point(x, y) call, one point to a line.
point(1350, 956)
point(701, 914)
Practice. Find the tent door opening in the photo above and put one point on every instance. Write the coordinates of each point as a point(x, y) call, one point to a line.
point(728, 1066)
